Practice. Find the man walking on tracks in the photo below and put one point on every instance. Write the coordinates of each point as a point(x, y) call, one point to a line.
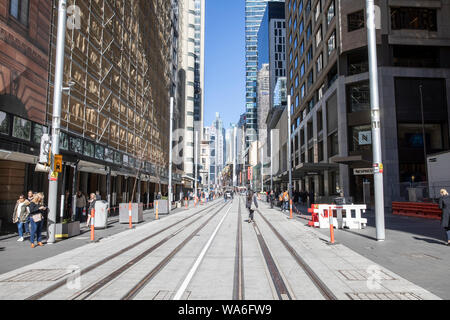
point(251, 205)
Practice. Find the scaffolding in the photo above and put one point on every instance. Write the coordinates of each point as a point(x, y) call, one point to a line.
point(119, 62)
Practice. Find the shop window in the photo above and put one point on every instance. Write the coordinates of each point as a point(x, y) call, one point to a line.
point(117, 157)
point(109, 155)
point(38, 131)
point(89, 149)
point(99, 152)
point(76, 145)
point(4, 123)
point(21, 129)
point(63, 141)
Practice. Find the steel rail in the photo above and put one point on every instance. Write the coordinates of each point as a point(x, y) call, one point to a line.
point(323, 288)
point(149, 276)
point(60, 283)
point(238, 288)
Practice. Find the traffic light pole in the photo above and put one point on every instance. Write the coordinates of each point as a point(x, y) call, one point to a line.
point(56, 123)
point(376, 130)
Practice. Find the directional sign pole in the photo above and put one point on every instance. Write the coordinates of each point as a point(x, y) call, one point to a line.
point(57, 97)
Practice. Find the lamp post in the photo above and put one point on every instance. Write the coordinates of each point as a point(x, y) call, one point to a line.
point(56, 121)
point(376, 123)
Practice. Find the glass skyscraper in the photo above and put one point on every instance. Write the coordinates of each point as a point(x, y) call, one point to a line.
point(254, 12)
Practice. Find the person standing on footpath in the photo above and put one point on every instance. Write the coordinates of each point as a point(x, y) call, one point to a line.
point(21, 215)
point(444, 204)
point(37, 212)
point(91, 201)
point(252, 205)
point(80, 205)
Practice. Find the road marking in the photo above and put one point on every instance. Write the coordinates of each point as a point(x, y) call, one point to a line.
point(194, 268)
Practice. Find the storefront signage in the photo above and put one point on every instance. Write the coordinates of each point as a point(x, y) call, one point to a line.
point(363, 172)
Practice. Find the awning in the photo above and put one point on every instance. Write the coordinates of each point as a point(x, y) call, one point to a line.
point(19, 157)
point(358, 161)
point(308, 169)
point(90, 167)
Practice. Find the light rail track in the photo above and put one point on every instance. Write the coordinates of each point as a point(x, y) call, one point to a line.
point(62, 282)
point(239, 287)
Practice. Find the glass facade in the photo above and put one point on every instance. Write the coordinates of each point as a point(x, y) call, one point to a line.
point(254, 12)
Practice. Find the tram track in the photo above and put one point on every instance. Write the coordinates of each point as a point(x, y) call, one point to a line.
point(62, 282)
point(315, 279)
point(239, 287)
point(131, 294)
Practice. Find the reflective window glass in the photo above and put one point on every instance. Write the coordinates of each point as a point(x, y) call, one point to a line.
point(21, 129)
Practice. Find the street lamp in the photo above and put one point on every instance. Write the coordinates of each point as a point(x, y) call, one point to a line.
point(376, 123)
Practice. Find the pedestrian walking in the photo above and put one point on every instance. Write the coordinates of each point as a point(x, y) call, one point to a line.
point(80, 205)
point(97, 195)
point(37, 214)
point(444, 204)
point(21, 215)
point(91, 201)
point(285, 201)
point(251, 204)
point(272, 199)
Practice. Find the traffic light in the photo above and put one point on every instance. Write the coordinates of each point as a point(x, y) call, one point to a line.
point(45, 152)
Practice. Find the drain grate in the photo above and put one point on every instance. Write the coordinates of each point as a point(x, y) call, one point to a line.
point(362, 275)
point(168, 295)
point(384, 296)
point(39, 275)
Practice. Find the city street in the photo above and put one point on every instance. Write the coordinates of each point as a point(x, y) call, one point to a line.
point(180, 256)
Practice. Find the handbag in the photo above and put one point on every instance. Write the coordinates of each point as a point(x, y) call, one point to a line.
point(37, 217)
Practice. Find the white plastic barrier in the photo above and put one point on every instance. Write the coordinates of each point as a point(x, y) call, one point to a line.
point(344, 216)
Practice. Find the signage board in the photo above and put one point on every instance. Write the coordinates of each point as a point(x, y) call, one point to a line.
point(58, 165)
point(365, 138)
point(363, 172)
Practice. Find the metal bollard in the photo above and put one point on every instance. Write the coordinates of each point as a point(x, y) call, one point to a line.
point(129, 216)
point(156, 210)
point(93, 225)
point(330, 215)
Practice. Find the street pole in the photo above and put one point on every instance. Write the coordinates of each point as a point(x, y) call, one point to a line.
point(56, 123)
point(234, 157)
point(170, 153)
point(289, 152)
point(271, 160)
point(423, 132)
point(262, 167)
point(376, 130)
point(195, 160)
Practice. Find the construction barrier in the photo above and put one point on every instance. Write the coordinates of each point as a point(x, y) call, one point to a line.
point(417, 210)
point(343, 216)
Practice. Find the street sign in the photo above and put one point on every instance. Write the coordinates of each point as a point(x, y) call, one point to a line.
point(53, 176)
point(363, 172)
point(58, 163)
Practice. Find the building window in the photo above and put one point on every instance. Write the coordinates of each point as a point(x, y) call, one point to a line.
point(319, 63)
point(89, 149)
point(76, 145)
point(413, 18)
point(4, 123)
point(317, 10)
point(296, 82)
point(319, 36)
point(63, 141)
point(99, 152)
point(302, 70)
point(302, 48)
point(38, 131)
point(359, 97)
point(332, 43)
point(330, 13)
point(333, 145)
point(303, 91)
point(308, 32)
point(309, 55)
point(355, 21)
point(21, 129)
point(118, 158)
point(19, 10)
point(310, 79)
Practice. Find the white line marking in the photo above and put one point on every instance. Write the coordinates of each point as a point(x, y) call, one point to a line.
point(191, 273)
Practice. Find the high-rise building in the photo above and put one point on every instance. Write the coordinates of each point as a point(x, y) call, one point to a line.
point(192, 64)
point(263, 101)
point(254, 12)
point(328, 80)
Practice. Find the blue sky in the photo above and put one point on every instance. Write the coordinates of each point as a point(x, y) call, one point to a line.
point(224, 60)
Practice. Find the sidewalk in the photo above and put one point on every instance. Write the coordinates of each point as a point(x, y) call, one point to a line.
point(15, 254)
point(414, 248)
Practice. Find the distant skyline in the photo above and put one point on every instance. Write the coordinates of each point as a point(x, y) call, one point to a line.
point(224, 61)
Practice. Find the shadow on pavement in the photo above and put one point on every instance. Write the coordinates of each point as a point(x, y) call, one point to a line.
point(429, 240)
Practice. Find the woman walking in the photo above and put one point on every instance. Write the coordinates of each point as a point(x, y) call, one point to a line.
point(91, 201)
point(252, 205)
point(37, 212)
point(444, 204)
point(20, 216)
